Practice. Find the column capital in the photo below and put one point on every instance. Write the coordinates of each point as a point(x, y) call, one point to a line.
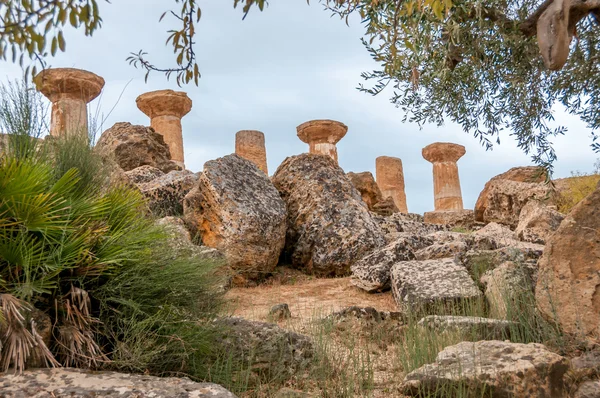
point(323, 130)
point(443, 152)
point(164, 103)
point(56, 83)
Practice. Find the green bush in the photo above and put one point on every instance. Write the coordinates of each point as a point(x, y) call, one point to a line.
point(87, 257)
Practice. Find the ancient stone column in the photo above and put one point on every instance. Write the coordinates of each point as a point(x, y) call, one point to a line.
point(250, 144)
point(165, 109)
point(390, 179)
point(446, 183)
point(69, 90)
point(322, 135)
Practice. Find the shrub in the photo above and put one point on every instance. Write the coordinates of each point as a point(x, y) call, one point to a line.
point(87, 256)
point(576, 188)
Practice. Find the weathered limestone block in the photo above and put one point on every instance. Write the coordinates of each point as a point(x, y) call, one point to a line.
point(165, 108)
point(477, 261)
point(400, 223)
point(321, 136)
point(528, 174)
point(372, 272)
point(180, 242)
point(69, 90)
point(329, 226)
point(448, 244)
point(67, 382)
point(390, 178)
point(367, 187)
point(588, 389)
point(165, 194)
point(451, 218)
point(265, 348)
point(416, 284)
point(446, 183)
point(568, 285)
point(237, 210)
point(537, 222)
point(250, 144)
point(133, 146)
point(491, 368)
point(469, 326)
point(496, 231)
point(505, 287)
point(144, 174)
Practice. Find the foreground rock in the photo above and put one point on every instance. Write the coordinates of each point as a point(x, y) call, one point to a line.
point(65, 382)
point(471, 327)
point(537, 222)
point(372, 272)
point(133, 146)
point(568, 285)
point(237, 210)
point(329, 226)
point(165, 194)
point(491, 368)
point(417, 284)
point(270, 351)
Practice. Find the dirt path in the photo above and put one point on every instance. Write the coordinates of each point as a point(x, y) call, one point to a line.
point(307, 299)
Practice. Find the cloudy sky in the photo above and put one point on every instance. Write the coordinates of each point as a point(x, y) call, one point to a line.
point(274, 71)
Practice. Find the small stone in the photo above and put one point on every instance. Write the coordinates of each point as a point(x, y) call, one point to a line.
point(280, 312)
point(469, 326)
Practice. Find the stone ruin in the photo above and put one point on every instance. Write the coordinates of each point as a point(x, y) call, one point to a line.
point(165, 109)
point(390, 178)
point(250, 144)
point(322, 135)
point(69, 90)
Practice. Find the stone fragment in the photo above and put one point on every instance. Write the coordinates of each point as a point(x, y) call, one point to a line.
point(67, 383)
point(165, 194)
point(386, 207)
point(446, 183)
point(69, 90)
point(491, 368)
point(537, 222)
point(144, 174)
point(471, 327)
point(400, 223)
point(236, 209)
point(568, 285)
point(588, 389)
point(496, 231)
point(390, 178)
point(417, 284)
point(506, 286)
point(367, 187)
point(250, 144)
point(372, 272)
point(329, 226)
point(448, 244)
point(266, 349)
point(134, 146)
point(451, 218)
point(478, 262)
point(321, 136)
point(367, 313)
point(280, 312)
point(165, 108)
point(504, 195)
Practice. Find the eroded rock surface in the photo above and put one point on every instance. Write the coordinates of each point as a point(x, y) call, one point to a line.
point(68, 383)
point(144, 174)
point(165, 194)
point(329, 226)
point(492, 368)
point(237, 210)
point(537, 222)
point(468, 326)
point(568, 285)
point(421, 283)
point(133, 146)
point(451, 218)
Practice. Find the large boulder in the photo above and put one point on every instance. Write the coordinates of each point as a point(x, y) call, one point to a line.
point(568, 285)
point(165, 193)
point(132, 146)
point(329, 225)
point(491, 369)
point(237, 210)
point(419, 284)
point(66, 382)
point(501, 201)
point(537, 222)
